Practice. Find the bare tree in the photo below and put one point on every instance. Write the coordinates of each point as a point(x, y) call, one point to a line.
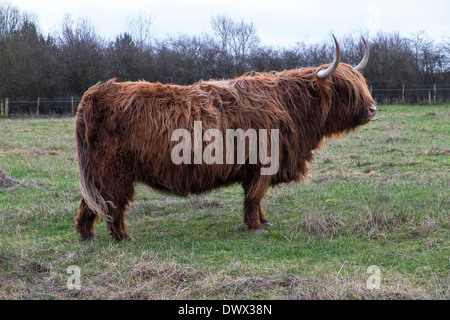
point(20, 52)
point(239, 39)
point(139, 26)
point(121, 55)
point(446, 52)
point(82, 54)
point(10, 20)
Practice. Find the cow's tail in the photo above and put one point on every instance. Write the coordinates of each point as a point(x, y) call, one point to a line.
point(89, 190)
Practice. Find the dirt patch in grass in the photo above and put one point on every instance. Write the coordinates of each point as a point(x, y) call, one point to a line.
point(36, 267)
point(436, 151)
point(169, 273)
point(7, 181)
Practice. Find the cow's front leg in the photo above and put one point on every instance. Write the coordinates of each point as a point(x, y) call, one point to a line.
point(255, 188)
point(262, 216)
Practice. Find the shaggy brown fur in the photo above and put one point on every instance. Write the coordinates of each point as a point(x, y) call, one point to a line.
point(123, 133)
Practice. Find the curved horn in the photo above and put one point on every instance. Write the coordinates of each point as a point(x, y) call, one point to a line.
point(337, 58)
point(360, 67)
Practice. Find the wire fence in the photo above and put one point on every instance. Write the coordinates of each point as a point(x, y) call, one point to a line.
point(428, 94)
point(67, 106)
point(39, 106)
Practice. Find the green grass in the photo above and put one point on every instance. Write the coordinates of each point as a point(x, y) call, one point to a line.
point(378, 197)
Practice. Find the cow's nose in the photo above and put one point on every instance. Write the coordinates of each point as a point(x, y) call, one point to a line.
point(373, 109)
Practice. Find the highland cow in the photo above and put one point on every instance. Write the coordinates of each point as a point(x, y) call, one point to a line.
point(124, 135)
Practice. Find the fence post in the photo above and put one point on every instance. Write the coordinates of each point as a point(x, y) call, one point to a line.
point(2, 109)
point(71, 102)
point(37, 108)
point(6, 107)
point(429, 96)
point(403, 93)
point(370, 89)
point(435, 98)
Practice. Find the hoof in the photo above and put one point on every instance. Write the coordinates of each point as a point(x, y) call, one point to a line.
point(267, 224)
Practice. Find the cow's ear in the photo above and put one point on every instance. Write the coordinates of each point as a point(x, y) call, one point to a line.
point(326, 100)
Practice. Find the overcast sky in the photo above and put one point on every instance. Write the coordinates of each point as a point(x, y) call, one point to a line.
point(277, 21)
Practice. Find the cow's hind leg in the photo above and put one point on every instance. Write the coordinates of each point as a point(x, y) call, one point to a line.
point(255, 189)
point(117, 227)
point(85, 221)
point(121, 194)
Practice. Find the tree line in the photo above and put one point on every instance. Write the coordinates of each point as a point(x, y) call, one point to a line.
point(67, 63)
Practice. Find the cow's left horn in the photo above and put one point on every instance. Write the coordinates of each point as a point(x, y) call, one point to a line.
point(360, 67)
point(337, 58)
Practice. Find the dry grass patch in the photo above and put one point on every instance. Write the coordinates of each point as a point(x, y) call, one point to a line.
point(370, 224)
point(323, 225)
point(168, 273)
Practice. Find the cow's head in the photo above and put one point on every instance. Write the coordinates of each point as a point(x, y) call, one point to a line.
point(346, 96)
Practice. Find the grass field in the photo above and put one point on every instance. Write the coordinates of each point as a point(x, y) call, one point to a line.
point(379, 197)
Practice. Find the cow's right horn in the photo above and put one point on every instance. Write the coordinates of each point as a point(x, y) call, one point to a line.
point(360, 67)
point(337, 58)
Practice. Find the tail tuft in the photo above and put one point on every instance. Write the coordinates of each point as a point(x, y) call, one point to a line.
point(91, 194)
